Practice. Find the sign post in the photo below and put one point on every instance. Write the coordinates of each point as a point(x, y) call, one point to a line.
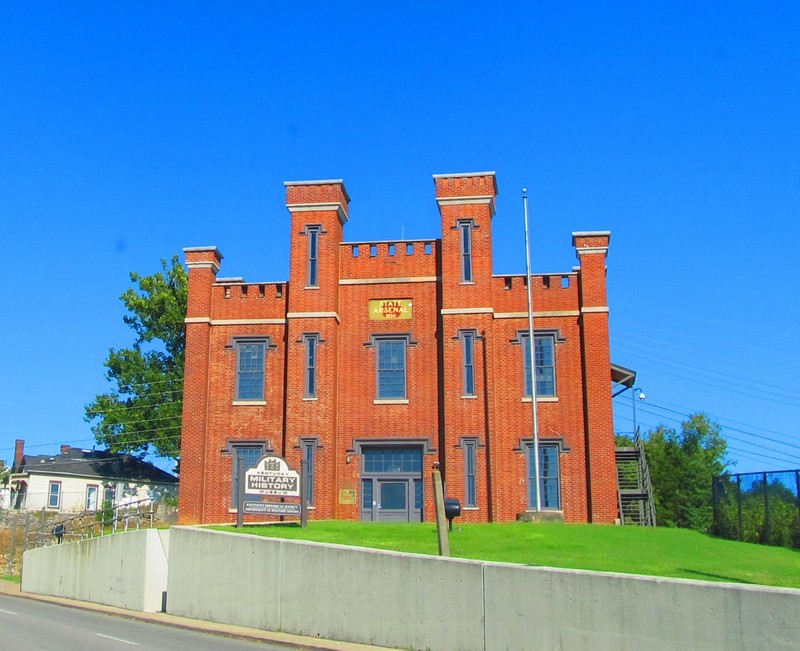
point(441, 520)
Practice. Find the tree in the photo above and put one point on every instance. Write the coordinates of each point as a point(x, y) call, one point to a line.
point(682, 466)
point(143, 411)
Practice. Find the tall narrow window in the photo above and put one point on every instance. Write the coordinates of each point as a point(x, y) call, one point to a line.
point(313, 256)
point(91, 497)
point(545, 371)
point(391, 380)
point(311, 342)
point(549, 478)
point(309, 448)
point(249, 453)
point(470, 478)
point(54, 495)
point(465, 228)
point(250, 370)
point(109, 491)
point(468, 362)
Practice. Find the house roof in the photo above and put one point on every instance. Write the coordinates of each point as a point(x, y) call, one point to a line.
point(94, 464)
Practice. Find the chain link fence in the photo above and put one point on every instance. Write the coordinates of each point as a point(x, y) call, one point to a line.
point(758, 507)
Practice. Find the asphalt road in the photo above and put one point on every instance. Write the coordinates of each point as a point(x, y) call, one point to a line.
point(30, 625)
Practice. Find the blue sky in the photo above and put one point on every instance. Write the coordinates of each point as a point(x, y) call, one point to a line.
point(131, 130)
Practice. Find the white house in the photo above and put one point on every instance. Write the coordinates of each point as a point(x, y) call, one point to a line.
point(77, 480)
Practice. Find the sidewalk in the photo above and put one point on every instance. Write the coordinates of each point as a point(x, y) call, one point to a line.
point(228, 630)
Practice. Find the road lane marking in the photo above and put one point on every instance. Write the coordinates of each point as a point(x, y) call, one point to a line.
point(7, 612)
point(117, 639)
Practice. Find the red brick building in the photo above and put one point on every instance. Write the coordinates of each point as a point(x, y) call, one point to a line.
point(377, 360)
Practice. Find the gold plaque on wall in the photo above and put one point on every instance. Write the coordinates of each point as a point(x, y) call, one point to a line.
point(347, 496)
point(385, 309)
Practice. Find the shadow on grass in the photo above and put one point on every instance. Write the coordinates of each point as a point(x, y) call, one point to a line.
point(715, 577)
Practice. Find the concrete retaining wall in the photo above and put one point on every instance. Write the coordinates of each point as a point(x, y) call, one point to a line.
point(410, 601)
point(423, 602)
point(571, 609)
point(332, 591)
point(125, 570)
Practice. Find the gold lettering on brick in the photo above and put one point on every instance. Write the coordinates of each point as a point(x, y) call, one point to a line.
point(387, 309)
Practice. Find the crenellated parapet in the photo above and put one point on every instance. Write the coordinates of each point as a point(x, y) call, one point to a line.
point(388, 259)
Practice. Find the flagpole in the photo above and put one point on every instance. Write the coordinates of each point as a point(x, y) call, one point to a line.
point(532, 353)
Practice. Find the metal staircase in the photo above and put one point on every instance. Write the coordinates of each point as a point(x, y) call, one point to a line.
point(635, 491)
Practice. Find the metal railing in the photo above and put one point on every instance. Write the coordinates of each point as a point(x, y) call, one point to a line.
point(92, 524)
point(636, 505)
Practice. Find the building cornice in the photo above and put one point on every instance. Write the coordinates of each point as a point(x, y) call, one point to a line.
point(320, 207)
point(467, 310)
point(591, 249)
point(314, 315)
point(230, 322)
point(381, 281)
point(339, 182)
point(537, 315)
point(205, 264)
point(467, 201)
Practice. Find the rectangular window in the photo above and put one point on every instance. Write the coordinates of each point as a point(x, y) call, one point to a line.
point(311, 342)
point(91, 498)
point(393, 460)
point(466, 251)
point(549, 479)
point(313, 256)
point(54, 495)
point(468, 363)
point(470, 479)
point(544, 351)
point(366, 494)
point(250, 454)
point(108, 494)
point(250, 370)
point(391, 380)
point(309, 453)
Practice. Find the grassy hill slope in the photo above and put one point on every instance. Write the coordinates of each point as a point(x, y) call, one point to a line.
point(676, 553)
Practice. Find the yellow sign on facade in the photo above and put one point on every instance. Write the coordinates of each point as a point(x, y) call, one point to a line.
point(391, 308)
point(347, 496)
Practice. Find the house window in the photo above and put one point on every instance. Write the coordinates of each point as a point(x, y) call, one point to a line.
point(249, 453)
point(549, 477)
point(310, 373)
point(391, 376)
point(312, 279)
point(467, 362)
point(465, 229)
point(91, 497)
point(54, 495)
point(250, 370)
point(108, 494)
point(470, 478)
point(309, 447)
point(544, 351)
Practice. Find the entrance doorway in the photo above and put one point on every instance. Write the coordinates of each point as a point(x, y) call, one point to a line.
point(391, 484)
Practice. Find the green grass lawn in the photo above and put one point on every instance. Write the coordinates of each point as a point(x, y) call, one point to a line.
point(633, 550)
